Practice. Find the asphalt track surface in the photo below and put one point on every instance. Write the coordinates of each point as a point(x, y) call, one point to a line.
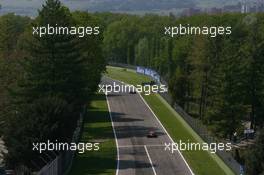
point(138, 155)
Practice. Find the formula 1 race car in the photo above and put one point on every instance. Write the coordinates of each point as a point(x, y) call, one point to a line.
point(151, 83)
point(132, 92)
point(152, 134)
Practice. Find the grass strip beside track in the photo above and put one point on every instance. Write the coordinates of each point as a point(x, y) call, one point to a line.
point(97, 128)
point(201, 162)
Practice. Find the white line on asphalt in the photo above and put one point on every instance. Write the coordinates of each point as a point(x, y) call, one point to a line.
point(166, 133)
point(131, 146)
point(113, 127)
point(154, 171)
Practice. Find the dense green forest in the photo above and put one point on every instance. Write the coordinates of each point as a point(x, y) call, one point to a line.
point(218, 80)
point(46, 81)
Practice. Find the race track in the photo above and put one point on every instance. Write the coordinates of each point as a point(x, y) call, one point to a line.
point(139, 155)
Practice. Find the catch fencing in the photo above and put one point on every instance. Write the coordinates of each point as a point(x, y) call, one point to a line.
point(63, 162)
point(194, 123)
point(54, 163)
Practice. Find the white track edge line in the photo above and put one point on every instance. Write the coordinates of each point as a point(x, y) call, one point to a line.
point(154, 171)
point(113, 127)
point(131, 146)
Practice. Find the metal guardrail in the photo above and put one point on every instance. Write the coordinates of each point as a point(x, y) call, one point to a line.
point(194, 123)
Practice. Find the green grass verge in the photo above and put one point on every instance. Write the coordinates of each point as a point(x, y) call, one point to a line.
point(201, 162)
point(126, 75)
point(97, 128)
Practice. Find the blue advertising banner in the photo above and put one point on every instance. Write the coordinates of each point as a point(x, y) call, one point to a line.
point(149, 72)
